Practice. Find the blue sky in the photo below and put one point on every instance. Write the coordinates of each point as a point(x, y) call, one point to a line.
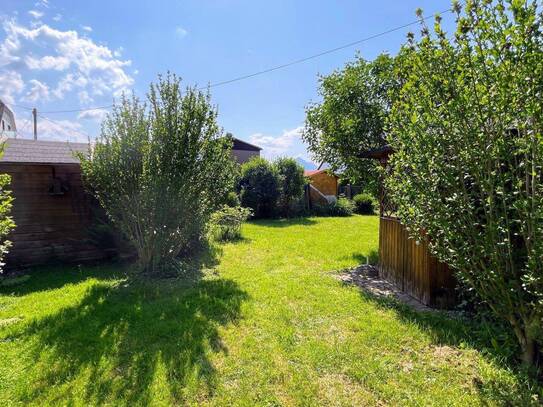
point(65, 55)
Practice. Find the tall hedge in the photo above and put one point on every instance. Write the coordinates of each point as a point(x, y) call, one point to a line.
point(291, 185)
point(160, 170)
point(259, 187)
point(467, 132)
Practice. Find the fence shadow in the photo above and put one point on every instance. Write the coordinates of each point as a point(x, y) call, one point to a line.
point(122, 337)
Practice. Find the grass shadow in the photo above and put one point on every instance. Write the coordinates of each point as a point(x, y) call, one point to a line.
point(283, 223)
point(189, 269)
point(127, 337)
point(51, 278)
point(372, 257)
point(460, 332)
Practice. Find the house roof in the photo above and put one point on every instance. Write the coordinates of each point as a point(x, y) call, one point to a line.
point(310, 173)
point(243, 145)
point(62, 152)
point(41, 152)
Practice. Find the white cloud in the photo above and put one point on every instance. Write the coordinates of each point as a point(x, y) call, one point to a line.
point(36, 14)
point(181, 32)
point(42, 3)
point(278, 145)
point(57, 17)
point(61, 130)
point(84, 97)
point(289, 143)
point(87, 28)
point(86, 65)
point(38, 91)
point(118, 52)
point(59, 63)
point(11, 84)
point(94, 114)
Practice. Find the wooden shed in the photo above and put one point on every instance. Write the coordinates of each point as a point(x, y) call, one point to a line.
point(323, 186)
point(51, 209)
point(407, 262)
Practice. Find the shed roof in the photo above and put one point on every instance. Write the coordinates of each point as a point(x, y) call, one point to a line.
point(309, 173)
point(41, 151)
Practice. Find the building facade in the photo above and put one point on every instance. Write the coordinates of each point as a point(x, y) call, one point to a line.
point(7, 121)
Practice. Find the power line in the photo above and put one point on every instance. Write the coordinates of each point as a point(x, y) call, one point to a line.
point(27, 121)
point(277, 67)
point(79, 110)
point(320, 54)
point(59, 124)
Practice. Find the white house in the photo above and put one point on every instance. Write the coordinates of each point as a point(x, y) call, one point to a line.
point(7, 121)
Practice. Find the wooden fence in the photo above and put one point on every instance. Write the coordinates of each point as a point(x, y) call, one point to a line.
point(408, 264)
point(52, 213)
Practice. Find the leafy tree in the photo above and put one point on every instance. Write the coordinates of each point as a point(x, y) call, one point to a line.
point(467, 132)
point(259, 187)
point(6, 221)
point(159, 173)
point(291, 183)
point(351, 117)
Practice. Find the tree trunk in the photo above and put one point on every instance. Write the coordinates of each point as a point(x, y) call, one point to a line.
point(527, 345)
point(528, 355)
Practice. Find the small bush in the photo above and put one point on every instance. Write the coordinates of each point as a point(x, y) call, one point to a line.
point(364, 204)
point(341, 207)
point(232, 199)
point(226, 222)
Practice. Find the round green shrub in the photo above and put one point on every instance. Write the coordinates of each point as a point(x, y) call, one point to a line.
point(232, 199)
point(226, 222)
point(364, 204)
point(341, 207)
point(259, 187)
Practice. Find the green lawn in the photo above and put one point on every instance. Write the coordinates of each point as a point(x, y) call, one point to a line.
point(266, 324)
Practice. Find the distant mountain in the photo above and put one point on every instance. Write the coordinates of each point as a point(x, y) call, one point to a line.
point(308, 165)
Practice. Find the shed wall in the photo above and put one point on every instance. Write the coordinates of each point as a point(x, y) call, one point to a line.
point(409, 265)
point(50, 228)
point(325, 183)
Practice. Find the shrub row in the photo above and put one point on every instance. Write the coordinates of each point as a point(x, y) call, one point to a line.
point(272, 188)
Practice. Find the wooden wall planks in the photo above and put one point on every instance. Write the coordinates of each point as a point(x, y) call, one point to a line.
point(408, 264)
point(50, 228)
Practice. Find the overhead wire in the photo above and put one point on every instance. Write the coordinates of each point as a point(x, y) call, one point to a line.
point(59, 124)
point(274, 68)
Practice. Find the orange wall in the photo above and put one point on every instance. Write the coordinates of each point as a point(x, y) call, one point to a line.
point(325, 183)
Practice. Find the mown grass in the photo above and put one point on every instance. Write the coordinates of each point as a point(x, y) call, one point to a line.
point(266, 323)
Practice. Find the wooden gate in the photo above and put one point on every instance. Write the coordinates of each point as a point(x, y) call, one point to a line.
point(409, 265)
